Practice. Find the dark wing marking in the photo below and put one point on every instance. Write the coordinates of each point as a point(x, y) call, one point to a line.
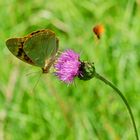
point(15, 45)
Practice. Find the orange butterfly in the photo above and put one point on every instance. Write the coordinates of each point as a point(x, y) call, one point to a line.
point(98, 30)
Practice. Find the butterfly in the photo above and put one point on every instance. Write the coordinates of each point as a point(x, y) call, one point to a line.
point(98, 30)
point(38, 48)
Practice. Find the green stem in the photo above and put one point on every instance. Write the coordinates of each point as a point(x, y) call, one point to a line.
point(124, 100)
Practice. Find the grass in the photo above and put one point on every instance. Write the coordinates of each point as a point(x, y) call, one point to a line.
point(84, 111)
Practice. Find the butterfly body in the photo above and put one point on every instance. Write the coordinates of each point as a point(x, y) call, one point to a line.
point(39, 48)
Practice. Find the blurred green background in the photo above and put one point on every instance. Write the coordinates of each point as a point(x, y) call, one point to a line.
point(85, 110)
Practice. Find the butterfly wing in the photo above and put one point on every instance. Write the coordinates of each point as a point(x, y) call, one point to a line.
point(15, 45)
point(41, 46)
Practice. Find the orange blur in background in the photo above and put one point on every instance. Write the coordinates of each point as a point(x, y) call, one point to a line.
point(98, 30)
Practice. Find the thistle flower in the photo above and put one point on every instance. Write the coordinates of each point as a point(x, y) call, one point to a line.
point(67, 66)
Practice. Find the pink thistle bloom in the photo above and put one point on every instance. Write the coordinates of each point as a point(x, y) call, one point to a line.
point(67, 66)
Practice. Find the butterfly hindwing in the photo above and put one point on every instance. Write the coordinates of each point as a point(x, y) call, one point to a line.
point(15, 45)
point(41, 46)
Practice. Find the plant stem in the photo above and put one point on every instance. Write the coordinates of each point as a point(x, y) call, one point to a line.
point(98, 76)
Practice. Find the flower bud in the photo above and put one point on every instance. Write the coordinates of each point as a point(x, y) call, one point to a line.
point(87, 71)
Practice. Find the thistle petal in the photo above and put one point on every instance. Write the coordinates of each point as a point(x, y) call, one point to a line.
point(67, 66)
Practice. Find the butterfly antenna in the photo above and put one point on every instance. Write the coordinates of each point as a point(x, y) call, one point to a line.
point(37, 82)
point(31, 73)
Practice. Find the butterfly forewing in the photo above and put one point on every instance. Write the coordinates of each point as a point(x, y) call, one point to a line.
point(41, 46)
point(15, 45)
point(38, 48)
